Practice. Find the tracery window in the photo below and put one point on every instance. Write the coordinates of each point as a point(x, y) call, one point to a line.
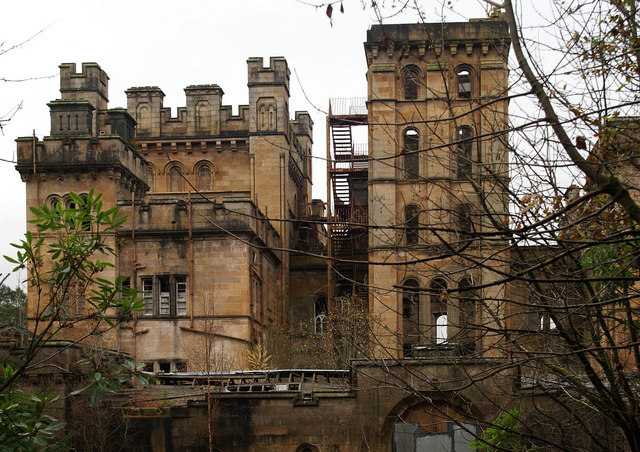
point(203, 178)
point(176, 182)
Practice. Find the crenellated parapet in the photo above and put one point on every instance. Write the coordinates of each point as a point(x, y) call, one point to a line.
point(92, 84)
point(302, 124)
point(268, 96)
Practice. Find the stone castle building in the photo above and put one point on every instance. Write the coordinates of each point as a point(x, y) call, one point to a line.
point(211, 200)
point(220, 217)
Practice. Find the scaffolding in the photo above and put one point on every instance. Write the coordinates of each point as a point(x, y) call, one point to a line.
point(347, 200)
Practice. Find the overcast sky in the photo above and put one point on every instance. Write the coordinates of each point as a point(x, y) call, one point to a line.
point(174, 44)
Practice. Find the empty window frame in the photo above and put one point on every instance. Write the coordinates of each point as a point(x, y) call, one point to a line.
point(411, 82)
point(464, 151)
point(412, 223)
point(410, 316)
point(410, 146)
point(437, 299)
point(164, 295)
point(463, 80)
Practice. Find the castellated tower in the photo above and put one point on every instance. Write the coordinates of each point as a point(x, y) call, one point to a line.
point(437, 172)
point(204, 193)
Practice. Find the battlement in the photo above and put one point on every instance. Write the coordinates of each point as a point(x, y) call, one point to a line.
point(277, 73)
point(303, 124)
point(138, 91)
point(91, 84)
point(195, 90)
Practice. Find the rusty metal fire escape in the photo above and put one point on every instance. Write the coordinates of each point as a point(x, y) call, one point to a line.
point(347, 212)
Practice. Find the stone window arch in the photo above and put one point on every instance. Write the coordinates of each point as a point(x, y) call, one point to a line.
point(410, 316)
point(412, 224)
point(465, 86)
point(411, 81)
point(464, 151)
point(204, 172)
point(439, 315)
point(175, 178)
point(53, 201)
point(411, 157)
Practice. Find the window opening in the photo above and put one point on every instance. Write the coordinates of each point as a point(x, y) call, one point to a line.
point(468, 317)
point(181, 297)
point(411, 141)
point(411, 215)
point(464, 84)
point(147, 295)
point(464, 225)
point(164, 295)
point(464, 137)
point(410, 316)
point(437, 299)
point(411, 80)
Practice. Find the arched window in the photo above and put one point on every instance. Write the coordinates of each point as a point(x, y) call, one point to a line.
point(411, 82)
point(53, 202)
point(410, 145)
point(410, 316)
point(320, 315)
point(468, 317)
point(411, 218)
point(152, 178)
point(203, 177)
point(464, 224)
point(464, 151)
point(175, 179)
point(437, 299)
point(463, 78)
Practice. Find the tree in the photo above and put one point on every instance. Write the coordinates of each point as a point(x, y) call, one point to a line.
point(64, 263)
point(13, 306)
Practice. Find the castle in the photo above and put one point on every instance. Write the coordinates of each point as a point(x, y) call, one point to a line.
point(222, 236)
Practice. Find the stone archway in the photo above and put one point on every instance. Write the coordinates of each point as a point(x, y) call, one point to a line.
point(433, 426)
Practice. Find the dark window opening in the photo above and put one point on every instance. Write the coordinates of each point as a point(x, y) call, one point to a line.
point(411, 162)
point(464, 147)
point(464, 225)
point(468, 317)
point(410, 316)
point(437, 298)
point(411, 214)
point(464, 84)
point(164, 366)
point(411, 80)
